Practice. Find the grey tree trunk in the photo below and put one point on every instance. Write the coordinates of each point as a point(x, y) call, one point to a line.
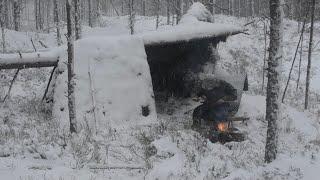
point(71, 82)
point(273, 87)
point(157, 13)
point(6, 14)
point(168, 12)
point(16, 15)
point(131, 16)
point(77, 20)
point(57, 21)
point(306, 103)
point(90, 18)
point(2, 24)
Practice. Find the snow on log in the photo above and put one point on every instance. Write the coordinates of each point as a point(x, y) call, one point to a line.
point(29, 60)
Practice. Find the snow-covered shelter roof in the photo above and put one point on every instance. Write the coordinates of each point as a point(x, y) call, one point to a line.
point(190, 32)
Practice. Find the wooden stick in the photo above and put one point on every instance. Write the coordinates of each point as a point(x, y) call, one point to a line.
point(239, 119)
point(34, 47)
point(42, 44)
point(116, 167)
point(50, 79)
point(92, 97)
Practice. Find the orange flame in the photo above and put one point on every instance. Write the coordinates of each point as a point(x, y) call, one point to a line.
point(223, 127)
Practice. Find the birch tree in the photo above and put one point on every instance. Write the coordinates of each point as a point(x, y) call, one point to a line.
point(273, 86)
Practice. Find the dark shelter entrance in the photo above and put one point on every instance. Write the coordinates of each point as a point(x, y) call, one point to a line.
point(177, 68)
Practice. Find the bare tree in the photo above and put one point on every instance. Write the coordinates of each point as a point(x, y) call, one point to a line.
point(71, 83)
point(273, 87)
point(313, 5)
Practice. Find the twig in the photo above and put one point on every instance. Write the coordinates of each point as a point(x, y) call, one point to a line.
point(34, 47)
point(42, 44)
point(92, 97)
point(249, 23)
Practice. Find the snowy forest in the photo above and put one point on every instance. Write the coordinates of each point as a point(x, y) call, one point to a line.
point(159, 89)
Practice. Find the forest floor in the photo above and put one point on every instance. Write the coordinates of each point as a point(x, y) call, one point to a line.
point(30, 147)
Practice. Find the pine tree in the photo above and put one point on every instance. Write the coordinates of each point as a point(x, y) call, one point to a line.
point(273, 87)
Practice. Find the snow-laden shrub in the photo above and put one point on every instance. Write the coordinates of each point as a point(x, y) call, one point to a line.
point(197, 12)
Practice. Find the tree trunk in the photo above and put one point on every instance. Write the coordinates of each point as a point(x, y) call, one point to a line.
point(168, 12)
point(6, 14)
point(131, 16)
point(71, 82)
point(144, 8)
point(57, 21)
point(313, 5)
point(2, 24)
point(90, 18)
point(77, 20)
point(239, 8)
point(16, 15)
point(273, 87)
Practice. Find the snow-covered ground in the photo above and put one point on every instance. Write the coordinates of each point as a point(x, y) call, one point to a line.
point(31, 146)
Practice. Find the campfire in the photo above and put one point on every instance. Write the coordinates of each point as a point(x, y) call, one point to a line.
point(216, 125)
point(223, 126)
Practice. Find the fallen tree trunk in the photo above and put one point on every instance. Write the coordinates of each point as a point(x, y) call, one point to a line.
point(29, 60)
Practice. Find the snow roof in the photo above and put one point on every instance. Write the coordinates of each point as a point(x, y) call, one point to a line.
point(190, 31)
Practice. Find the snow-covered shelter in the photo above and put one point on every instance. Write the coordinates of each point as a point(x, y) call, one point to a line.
point(119, 79)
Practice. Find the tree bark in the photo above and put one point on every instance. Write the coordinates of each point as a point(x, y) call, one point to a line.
point(90, 18)
point(2, 24)
point(57, 21)
point(77, 20)
point(273, 87)
point(16, 15)
point(131, 16)
point(313, 5)
point(71, 82)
